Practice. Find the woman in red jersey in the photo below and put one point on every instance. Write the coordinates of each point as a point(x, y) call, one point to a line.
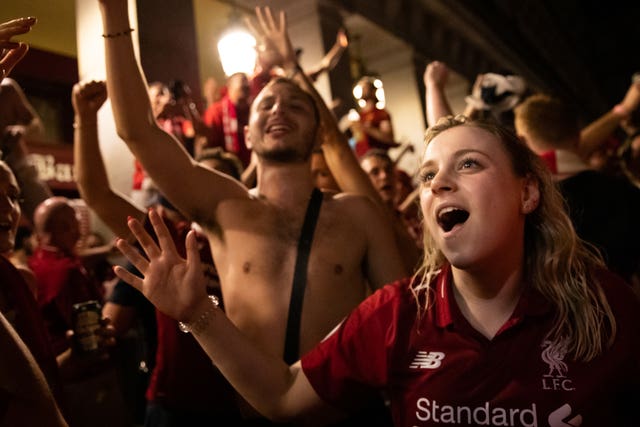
point(511, 321)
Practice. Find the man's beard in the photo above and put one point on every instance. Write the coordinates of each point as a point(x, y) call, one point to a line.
point(284, 155)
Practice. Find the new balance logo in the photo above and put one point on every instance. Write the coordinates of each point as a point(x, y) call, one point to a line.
point(427, 360)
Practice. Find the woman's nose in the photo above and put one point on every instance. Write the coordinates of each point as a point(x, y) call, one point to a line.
point(441, 182)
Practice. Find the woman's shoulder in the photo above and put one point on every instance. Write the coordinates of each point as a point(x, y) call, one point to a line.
point(396, 294)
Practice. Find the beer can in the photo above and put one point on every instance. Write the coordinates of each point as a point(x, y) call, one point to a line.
point(86, 321)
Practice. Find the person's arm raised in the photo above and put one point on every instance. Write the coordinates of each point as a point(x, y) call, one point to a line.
point(435, 78)
point(331, 58)
point(596, 133)
point(166, 161)
point(25, 117)
point(176, 286)
point(91, 176)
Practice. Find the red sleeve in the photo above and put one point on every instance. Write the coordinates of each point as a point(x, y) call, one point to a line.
point(335, 367)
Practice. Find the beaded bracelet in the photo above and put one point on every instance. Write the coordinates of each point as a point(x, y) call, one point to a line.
point(121, 33)
point(201, 322)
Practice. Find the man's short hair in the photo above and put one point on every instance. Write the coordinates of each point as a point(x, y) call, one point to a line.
point(548, 119)
point(230, 159)
point(376, 152)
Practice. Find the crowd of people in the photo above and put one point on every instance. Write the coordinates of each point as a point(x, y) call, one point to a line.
point(281, 271)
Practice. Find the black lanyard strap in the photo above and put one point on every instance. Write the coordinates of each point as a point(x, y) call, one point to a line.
point(292, 339)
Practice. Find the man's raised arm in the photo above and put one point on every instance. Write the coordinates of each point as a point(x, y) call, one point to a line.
point(91, 176)
point(168, 164)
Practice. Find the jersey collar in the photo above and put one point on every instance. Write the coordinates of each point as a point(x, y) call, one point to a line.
point(531, 304)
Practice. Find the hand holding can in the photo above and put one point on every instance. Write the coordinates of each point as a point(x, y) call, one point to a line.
point(86, 322)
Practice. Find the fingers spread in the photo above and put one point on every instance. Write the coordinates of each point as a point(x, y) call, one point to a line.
point(167, 245)
point(283, 21)
point(144, 239)
point(193, 253)
point(261, 20)
point(269, 19)
point(128, 277)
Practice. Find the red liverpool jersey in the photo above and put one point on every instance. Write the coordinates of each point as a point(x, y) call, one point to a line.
point(439, 371)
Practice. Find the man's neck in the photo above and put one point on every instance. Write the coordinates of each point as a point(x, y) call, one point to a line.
point(284, 184)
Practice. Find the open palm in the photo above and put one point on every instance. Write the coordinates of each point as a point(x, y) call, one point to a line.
point(176, 286)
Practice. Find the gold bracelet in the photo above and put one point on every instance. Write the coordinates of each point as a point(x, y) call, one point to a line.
point(201, 322)
point(121, 33)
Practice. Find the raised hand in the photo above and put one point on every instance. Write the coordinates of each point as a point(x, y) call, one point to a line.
point(177, 287)
point(631, 99)
point(274, 45)
point(12, 52)
point(332, 57)
point(436, 73)
point(88, 97)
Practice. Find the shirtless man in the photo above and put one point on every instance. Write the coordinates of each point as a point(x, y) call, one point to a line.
point(254, 234)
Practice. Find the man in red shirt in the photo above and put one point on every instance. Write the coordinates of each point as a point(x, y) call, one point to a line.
point(373, 128)
point(228, 117)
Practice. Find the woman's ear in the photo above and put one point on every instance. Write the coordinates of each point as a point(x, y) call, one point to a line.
point(530, 195)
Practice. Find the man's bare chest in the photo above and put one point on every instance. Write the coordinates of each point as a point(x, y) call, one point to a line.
point(265, 242)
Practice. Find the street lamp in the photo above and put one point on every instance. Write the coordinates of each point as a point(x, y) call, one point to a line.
point(237, 51)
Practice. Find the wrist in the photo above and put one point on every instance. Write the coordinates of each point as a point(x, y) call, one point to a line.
point(80, 121)
point(434, 85)
point(202, 318)
point(86, 118)
point(291, 69)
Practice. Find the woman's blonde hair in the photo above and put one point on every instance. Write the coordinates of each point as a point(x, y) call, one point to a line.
point(557, 263)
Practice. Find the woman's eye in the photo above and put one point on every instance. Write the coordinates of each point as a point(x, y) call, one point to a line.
point(427, 176)
point(469, 163)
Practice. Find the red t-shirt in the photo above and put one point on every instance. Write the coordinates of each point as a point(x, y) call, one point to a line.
point(447, 374)
point(372, 117)
point(62, 282)
point(227, 122)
